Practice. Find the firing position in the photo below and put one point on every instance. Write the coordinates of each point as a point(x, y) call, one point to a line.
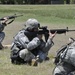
point(28, 44)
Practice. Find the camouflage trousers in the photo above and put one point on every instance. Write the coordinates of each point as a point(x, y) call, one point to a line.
point(27, 55)
point(2, 35)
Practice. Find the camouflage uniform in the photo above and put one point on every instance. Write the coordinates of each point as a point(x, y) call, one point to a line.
point(24, 47)
point(2, 34)
point(67, 65)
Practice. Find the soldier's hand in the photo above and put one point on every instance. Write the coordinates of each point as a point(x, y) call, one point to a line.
point(5, 20)
point(51, 36)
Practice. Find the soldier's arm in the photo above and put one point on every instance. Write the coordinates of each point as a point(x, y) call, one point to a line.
point(33, 44)
point(49, 42)
point(4, 22)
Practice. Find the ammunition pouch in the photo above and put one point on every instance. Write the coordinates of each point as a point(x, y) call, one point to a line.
point(15, 59)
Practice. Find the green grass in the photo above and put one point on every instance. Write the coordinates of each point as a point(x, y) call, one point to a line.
point(52, 15)
point(6, 68)
point(44, 13)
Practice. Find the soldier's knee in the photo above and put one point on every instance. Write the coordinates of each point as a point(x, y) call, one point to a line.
point(23, 53)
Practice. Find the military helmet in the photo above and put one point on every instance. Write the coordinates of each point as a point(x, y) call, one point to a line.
point(32, 23)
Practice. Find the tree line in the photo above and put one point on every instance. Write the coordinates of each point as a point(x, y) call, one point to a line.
point(36, 1)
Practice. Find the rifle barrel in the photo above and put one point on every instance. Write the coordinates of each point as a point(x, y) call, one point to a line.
point(59, 31)
point(14, 16)
point(1, 19)
point(70, 30)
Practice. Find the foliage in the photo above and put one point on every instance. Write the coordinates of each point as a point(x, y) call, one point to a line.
point(42, 12)
point(34, 1)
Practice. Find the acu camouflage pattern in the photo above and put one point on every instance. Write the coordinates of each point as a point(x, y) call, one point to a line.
point(21, 40)
point(32, 23)
point(2, 34)
point(70, 54)
point(2, 27)
point(67, 64)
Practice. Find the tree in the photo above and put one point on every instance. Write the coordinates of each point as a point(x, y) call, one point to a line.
point(67, 1)
point(19, 1)
point(10, 1)
point(3, 2)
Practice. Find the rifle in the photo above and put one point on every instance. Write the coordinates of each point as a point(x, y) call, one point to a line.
point(59, 31)
point(11, 17)
point(45, 31)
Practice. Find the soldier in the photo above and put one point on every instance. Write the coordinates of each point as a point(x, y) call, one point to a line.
point(66, 63)
point(2, 34)
point(28, 46)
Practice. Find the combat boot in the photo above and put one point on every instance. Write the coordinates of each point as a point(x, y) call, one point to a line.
point(34, 62)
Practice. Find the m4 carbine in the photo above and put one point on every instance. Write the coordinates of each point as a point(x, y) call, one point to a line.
point(45, 31)
point(59, 31)
point(10, 17)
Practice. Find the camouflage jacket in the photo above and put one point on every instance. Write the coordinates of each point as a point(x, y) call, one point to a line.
point(69, 54)
point(2, 26)
point(23, 41)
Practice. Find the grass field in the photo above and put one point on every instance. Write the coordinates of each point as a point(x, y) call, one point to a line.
point(53, 16)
